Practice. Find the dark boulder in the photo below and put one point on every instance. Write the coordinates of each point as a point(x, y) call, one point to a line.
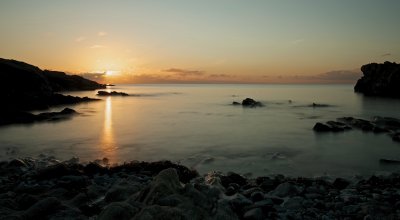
point(248, 102)
point(113, 93)
point(380, 80)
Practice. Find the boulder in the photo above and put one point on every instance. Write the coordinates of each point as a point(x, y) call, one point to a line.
point(113, 93)
point(248, 102)
point(379, 80)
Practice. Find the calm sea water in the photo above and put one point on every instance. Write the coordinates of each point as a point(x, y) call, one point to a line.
point(197, 126)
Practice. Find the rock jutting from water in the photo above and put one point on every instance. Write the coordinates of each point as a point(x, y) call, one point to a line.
point(113, 93)
point(380, 80)
point(49, 189)
point(249, 102)
point(388, 125)
point(20, 117)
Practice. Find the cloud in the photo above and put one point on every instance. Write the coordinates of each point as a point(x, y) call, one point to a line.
point(184, 72)
point(220, 76)
point(80, 39)
point(386, 55)
point(93, 76)
point(97, 46)
point(101, 34)
point(297, 41)
point(336, 76)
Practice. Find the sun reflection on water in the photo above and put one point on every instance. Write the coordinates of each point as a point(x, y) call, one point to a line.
point(107, 140)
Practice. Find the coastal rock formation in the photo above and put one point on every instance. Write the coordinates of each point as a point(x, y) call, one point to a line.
point(21, 117)
point(26, 87)
point(380, 80)
point(388, 125)
point(249, 102)
point(113, 93)
point(49, 189)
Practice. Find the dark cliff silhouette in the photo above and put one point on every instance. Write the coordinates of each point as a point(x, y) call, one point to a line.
point(25, 87)
point(380, 80)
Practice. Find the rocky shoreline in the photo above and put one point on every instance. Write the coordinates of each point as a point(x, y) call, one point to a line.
point(45, 188)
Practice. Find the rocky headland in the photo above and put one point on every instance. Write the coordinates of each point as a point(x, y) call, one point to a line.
point(49, 189)
point(380, 80)
point(26, 87)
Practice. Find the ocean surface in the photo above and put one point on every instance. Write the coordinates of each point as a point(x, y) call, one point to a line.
point(197, 126)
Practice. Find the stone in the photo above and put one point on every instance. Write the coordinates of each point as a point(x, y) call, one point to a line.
point(294, 203)
point(285, 189)
point(164, 184)
point(379, 80)
point(118, 210)
point(42, 208)
point(156, 212)
point(249, 102)
point(113, 93)
point(340, 183)
point(253, 214)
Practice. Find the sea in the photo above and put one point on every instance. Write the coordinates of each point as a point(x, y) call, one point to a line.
point(196, 125)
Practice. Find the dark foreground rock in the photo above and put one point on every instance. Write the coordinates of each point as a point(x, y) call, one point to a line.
point(49, 189)
point(20, 117)
point(380, 80)
point(388, 125)
point(113, 93)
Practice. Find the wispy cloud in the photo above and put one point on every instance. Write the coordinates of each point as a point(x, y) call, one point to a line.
point(184, 72)
point(102, 33)
point(386, 55)
point(220, 76)
point(297, 41)
point(97, 46)
point(80, 39)
point(336, 76)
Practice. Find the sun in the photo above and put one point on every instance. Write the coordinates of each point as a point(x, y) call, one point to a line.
point(109, 72)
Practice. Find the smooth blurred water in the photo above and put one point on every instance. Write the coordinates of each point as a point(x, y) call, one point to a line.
point(197, 126)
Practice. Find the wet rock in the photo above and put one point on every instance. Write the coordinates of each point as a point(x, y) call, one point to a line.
point(118, 210)
point(294, 203)
point(55, 171)
point(236, 103)
point(340, 183)
point(43, 208)
point(285, 189)
point(389, 161)
point(257, 196)
point(94, 168)
point(113, 93)
point(254, 214)
point(164, 184)
point(121, 192)
point(248, 102)
point(157, 212)
point(233, 178)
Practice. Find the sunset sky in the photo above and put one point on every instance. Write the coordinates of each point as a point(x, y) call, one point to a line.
point(260, 41)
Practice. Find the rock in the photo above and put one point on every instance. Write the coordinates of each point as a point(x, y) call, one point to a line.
point(26, 87)
point(379, 80)
point(164, 184)
point(340, 183)
point(389, 161)
point(315, 105)
point(254, 214)
point(118, 210)
point(43, 208)
point(236, 103)
point(113, 93)
point(294, 203)
point(233, 178)
point(248, 102)
point(257, 196)
point(322, 127)
point(94, 168)
point(330, 126)
point(55, 171)
point(285, 189)
point(156, 212)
